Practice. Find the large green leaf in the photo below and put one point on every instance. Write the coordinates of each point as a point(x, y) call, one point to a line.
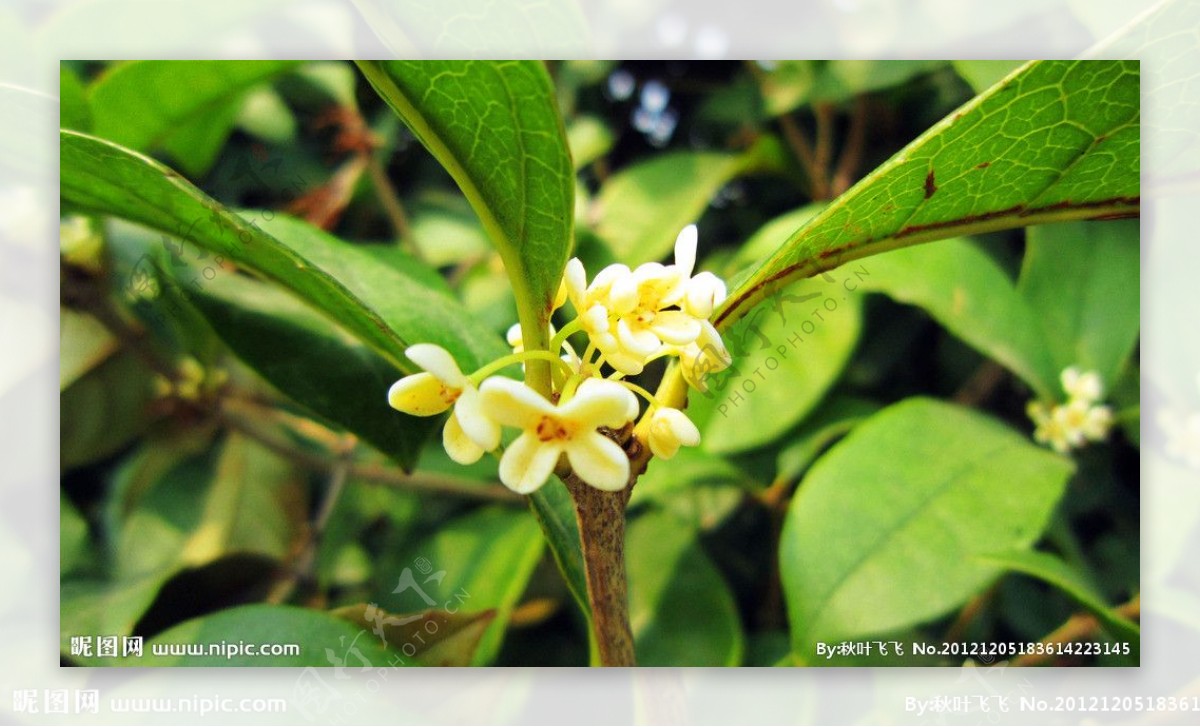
point(381, 303)
point(484, 559)
point(641, 209)
point(186, 108)
point(1082, 279)
point(882, 532)
point(1053, 570)
point(83, 344)
point(104, 410)
point(680, 608)
point(429, 638)
point(495, 127)
point(313, 361)
point(967, 291)
point(785, 357)
point(245, 499)
point(1057, 140)
point(322, 640)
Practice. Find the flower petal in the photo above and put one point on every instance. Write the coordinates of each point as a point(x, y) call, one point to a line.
point(604, 279)
point(623, 296)
point(685, 250)
point(598, 461)
point(575, 281)
point(437, 361)
point(458, 445)
point(638, 341)
point(482, 429)
point(675, 327)
point(528, 463)
point(514, 338)
point(704, 292)
point(600, 403)
point(512, 403)
point(420, 394)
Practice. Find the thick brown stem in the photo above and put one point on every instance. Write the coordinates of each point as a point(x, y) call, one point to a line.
point(601, 517)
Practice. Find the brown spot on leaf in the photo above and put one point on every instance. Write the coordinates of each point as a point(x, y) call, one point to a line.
point(983, 165)
point(930, 185)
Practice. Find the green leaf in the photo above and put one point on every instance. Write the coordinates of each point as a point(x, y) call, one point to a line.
point(1051, 569)
point(485, 559)
point(73, 109)
point(836, 417)
point(965, 290)
point(92, 607)
point(495, 127)
point(589, 139)
point(104, 411)
point(245, 499)
point(72, 536)
point(312, 361)
point(1056, 141)
point(266, 115)
point(555, 512)
point(323, 640)
point(1082, 279)
point(785, 357)
point(983, 74)
point(446, 231)
point(641, 209)
point(680, 608)
point(184, 107)
point(788, 85)
point(107, 179)
point(428, 638)
point(695, 486)
point(883, 530)
point(83, 344)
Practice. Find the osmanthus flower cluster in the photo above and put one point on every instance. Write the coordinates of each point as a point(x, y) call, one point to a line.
point(1081, 419)
point(630, 317)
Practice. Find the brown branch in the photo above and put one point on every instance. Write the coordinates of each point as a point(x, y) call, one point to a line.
point(601, 517)
point(852, 151)
point(826, 115)
point(375, 474)
point(1080, 626)
point(980, 386)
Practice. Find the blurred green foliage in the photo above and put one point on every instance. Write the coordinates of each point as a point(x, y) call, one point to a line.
point(231, 470)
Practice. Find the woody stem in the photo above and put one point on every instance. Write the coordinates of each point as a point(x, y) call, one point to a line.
point(601, 518)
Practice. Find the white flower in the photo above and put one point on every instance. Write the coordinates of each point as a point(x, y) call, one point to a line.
point(1048, 429)
point(468, 432)
point(1082, 386)
point(550, 430)
point(670, 428)
point(702, 292)
point(1078, 421)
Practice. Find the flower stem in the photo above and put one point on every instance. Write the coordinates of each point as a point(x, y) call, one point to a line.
point(601, 518)
point(516, 358)
point(561, 337)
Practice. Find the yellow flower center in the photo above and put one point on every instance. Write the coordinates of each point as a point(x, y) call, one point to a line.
point(449, 394)
point(549, 429)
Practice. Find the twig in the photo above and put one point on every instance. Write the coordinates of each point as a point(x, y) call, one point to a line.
point(1079, 626)
point(304, 567)
point(797, 140)
point(980, 386)
point(390, 199)
point(376, 474)
point(802, 148)
point(823, 154)
point(968, 614)
point(852, 150)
